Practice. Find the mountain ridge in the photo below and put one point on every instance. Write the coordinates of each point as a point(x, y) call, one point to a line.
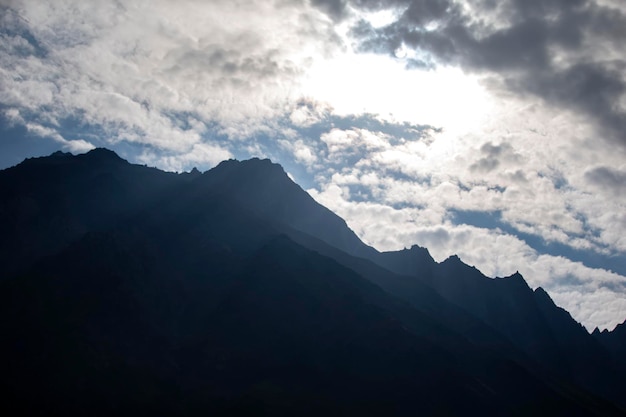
point(191, 261)
point(104, 154)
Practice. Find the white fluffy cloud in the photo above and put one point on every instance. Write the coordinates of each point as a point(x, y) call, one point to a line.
point(526, 141)
point(544, 184)
point(157, 73)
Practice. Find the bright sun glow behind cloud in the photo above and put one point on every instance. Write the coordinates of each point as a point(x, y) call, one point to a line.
point(444, 97)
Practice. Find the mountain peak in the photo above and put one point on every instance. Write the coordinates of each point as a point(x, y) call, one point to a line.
point(543, 294)
point(454, 258)
point(252, 163)
point(250, 170)
point(264, 187)
point(103, 154)
point(257, 160)
point(421, 252)
point(60, 154)
point(517, 276)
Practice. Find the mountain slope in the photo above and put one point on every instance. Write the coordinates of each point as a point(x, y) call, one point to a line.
point(47, 202)
point(176, 294)
point(614, 341)
point(529, 319)
point(281, 330)
point(265, 188)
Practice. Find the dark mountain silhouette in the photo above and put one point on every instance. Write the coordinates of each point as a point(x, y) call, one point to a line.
point(614, 341)
point(129, 290)
point(46, 203)
point(528, 319)
point(280, 199)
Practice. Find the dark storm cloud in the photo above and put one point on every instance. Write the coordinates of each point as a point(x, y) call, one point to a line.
point(592, 88)
point(569, 53)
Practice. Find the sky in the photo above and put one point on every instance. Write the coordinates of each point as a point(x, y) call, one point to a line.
point(495, 130)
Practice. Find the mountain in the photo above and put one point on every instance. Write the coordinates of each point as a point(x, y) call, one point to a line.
point(278, 198)
point(614, 341)
point(48, 202)
point(130, 290)
point(528, 319)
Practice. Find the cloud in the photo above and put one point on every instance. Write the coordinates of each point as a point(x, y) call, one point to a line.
point(512, 111)
point(75, 146)
point(308, 112)
point(201, 155)
point(531, 192)
point(568, 53)
point(336, 9)
point(300, 151)
point(608, 178)
point(594, 296)
point(494, 155)
point(161, 74)
point(341, 143)
point(540, 208)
